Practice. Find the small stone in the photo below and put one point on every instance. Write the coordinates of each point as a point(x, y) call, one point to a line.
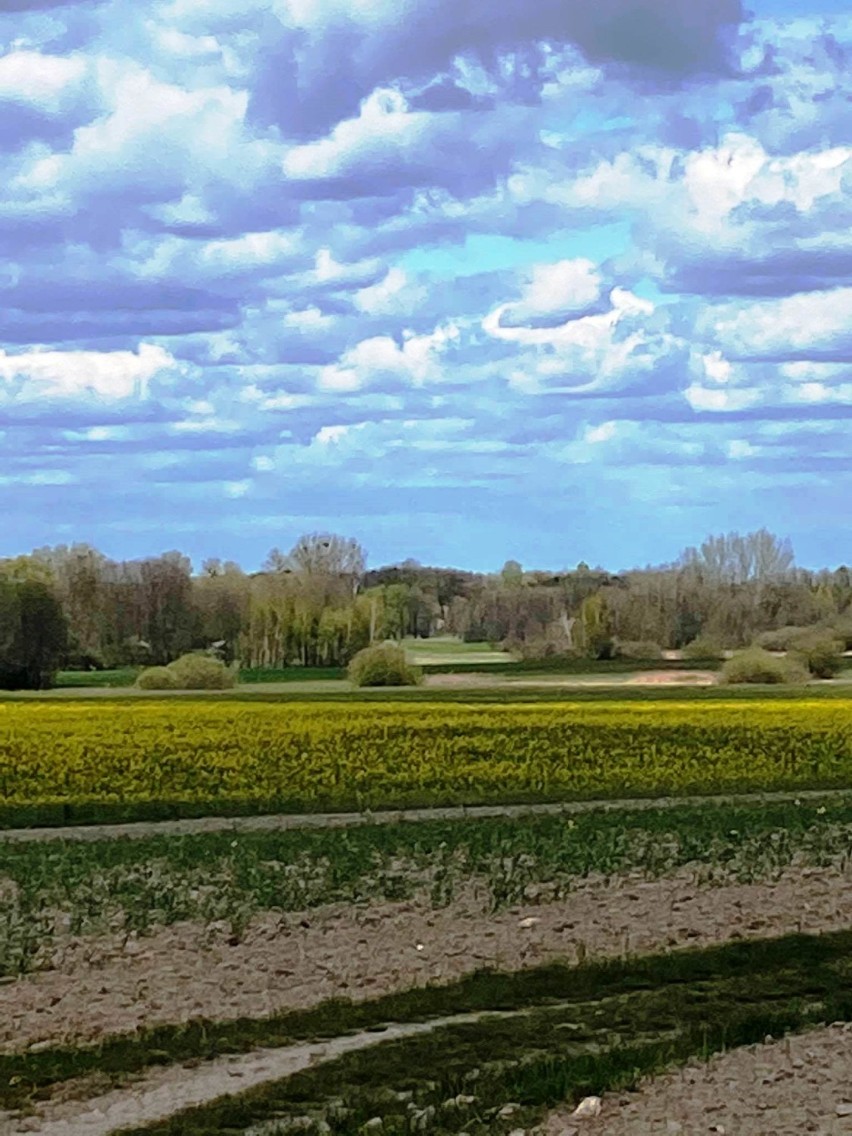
point(508, 1110)
point(844, 1110)
point(589, 1106)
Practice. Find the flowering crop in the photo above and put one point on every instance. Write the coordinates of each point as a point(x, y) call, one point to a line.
point(167, 758)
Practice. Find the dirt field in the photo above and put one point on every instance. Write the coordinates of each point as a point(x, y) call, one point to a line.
point(799, 1084)
point(107, 985)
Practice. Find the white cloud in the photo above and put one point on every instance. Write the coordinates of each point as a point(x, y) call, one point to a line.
point(809, 322)
point(739, 448)
point(156, 136)
point(722, 199)
point(396, 294)
point(593, 352)
point(565, 284)
point(28, 76)
point(68, 374)
point(330, 435)
point(702, 398)
point(418, 361)
point(383, 124)
point(603, 433)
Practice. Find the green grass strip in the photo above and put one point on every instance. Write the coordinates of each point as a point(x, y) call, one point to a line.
point(613, 1022)
point(796, 975)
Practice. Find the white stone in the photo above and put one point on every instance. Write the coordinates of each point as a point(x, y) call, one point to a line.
point(589, 1106)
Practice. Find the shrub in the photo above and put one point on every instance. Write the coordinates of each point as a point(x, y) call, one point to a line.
point(758, 666)
point(383, 664)
point(704, 647)
point(778, 640)
point(820, 652)
point(841, 628)
point(640, 649)
point(200, 672)
point(156, 678)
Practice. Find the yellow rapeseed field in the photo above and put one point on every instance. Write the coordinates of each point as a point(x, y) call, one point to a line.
point(118, 760)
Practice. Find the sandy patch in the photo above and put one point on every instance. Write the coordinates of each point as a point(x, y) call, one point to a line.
point(800, 1084)
point(103, 986)
point(674, 678)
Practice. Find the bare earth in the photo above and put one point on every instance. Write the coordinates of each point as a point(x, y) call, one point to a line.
point(105, 986)
point(784, 1088)
point(674, 678)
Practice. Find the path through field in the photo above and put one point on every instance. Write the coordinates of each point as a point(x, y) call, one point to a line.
point(284, 821)
point(161, 1093)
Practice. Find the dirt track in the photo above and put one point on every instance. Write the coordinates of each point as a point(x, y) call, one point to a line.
point(282, 821)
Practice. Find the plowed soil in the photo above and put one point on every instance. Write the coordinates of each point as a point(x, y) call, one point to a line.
point(103, 986)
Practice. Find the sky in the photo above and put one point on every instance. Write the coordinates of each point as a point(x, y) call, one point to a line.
point(467, 281)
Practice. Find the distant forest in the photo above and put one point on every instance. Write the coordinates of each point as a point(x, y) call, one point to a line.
point(72, 606)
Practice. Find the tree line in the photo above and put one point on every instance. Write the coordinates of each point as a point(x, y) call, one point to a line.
point(318, 604)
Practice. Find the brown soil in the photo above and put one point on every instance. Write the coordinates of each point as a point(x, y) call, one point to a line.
point(103, 986)
point(784, 1088)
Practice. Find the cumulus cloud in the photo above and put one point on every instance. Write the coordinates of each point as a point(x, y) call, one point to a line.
point(39, 79)
point(619, 348)
point(417, 360)
point(389, 146)
point(70, 374)
point(387, 254)
point(331, 55)
point(723, 218)
point(554, 294)
point(809, 326)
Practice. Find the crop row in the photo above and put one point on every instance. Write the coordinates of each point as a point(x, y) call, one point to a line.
point(55, 888)
point(164, 758)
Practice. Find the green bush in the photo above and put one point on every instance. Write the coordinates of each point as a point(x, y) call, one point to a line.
point(640, 649)
point(383, 664)
point(201, 672)
point(778, 640)
point(156, 678)
point(841, 628)
point(704, 647)
point(758, 666)
point(820, 652)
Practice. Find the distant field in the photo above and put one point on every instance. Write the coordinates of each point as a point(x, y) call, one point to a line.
point(123, 676)
point(448, 650)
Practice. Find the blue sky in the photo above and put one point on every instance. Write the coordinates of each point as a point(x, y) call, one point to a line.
point(465, 281)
